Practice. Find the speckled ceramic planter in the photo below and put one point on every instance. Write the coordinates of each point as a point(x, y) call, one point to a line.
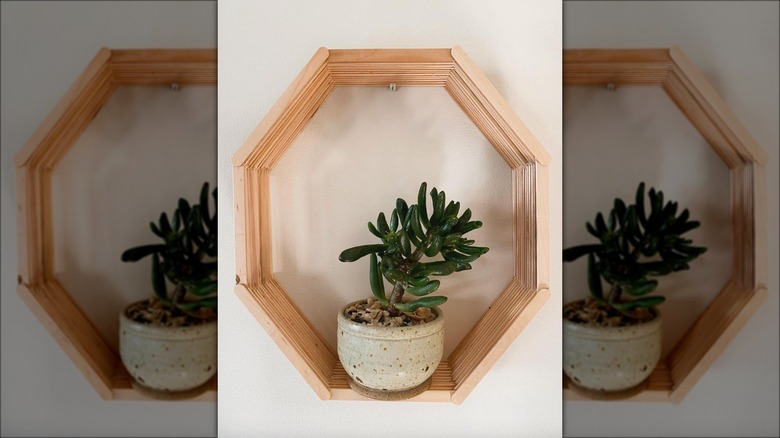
point(168, 360)
point(390, 362)
point(611, 359)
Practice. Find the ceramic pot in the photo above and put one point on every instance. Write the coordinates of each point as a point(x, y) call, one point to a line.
point(611, 359)
point(390, 360)
point(168, 359)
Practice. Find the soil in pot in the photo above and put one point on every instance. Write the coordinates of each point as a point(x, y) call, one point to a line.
point(609, 355)
point(389, 355)
point(169, 353)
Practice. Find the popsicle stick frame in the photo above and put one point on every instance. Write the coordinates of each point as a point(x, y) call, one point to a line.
point(265, 298)
point(38, 286)
point(671, 70)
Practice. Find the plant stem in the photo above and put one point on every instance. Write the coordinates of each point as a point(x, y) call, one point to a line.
point(178, 295)
point(397, 294)
point(614, 295)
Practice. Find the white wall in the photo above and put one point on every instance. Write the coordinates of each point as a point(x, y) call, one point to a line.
point(262, 47)
point(735, 45)
point(44, 48)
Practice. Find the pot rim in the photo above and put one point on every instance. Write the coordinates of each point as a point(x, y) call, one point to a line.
point(640, 330)
point(155, 331)
point(366, 330)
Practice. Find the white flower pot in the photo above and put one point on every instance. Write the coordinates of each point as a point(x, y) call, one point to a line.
point(611, 359)
point(390, 362)
point(168, 359)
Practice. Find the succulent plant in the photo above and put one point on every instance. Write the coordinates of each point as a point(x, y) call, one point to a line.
point(634, 247)
point(409, 235)
point(187, 258)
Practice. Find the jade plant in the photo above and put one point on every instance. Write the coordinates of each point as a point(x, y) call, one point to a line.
point(634, 247)
point(409, 235)
point(187, 256)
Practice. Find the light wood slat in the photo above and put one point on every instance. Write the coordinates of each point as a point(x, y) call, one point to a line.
point(539, 220)
point(279, 136)
point(497, 341)
point(737, 319)
point(503, 114)
point(292, 334)
point(164, 66)
point(469, 102)
point(28, 235)
point(760, 236)
point(262, 179)
point(382, 74)
point(242, 244)
point(61, 108)
point(742, 141)
point(367, 56)
point(286, 137)
point(70, 126)
point(698, 117)
point(68, 325)
point(743, 226)
point(311, 69)
point(615, 66)
point(618, 74)
point(710, 335)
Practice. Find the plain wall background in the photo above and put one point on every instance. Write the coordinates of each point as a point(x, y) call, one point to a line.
point(263, 45)
point(735, 45)
point(45, 46)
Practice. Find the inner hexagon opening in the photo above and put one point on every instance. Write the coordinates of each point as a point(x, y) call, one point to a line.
point(614, 140)
point(365, 147)
point(146, 148)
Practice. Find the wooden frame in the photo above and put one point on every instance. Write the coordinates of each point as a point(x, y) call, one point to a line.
point(37, 283)
point(670, 69)
point(458, 374)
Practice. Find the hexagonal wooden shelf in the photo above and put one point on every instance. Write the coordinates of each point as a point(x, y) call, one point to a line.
point(671, 70)
point(458, 374)
point(37, 283)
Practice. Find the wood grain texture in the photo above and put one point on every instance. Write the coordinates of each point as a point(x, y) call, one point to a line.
point(671, 70)
point(292, 94)
point(35, 162)
point(457, 376)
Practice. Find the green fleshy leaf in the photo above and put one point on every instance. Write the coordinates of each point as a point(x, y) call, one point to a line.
point(422, 302)
point(357, 252)
point(419, 291)
point(594, 279)
point(376, 281)
point(422, 209)
point(139, 252)
point(158, 279)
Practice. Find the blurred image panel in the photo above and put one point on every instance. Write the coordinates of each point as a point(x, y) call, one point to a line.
point(670, 201)
point(109, 218)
